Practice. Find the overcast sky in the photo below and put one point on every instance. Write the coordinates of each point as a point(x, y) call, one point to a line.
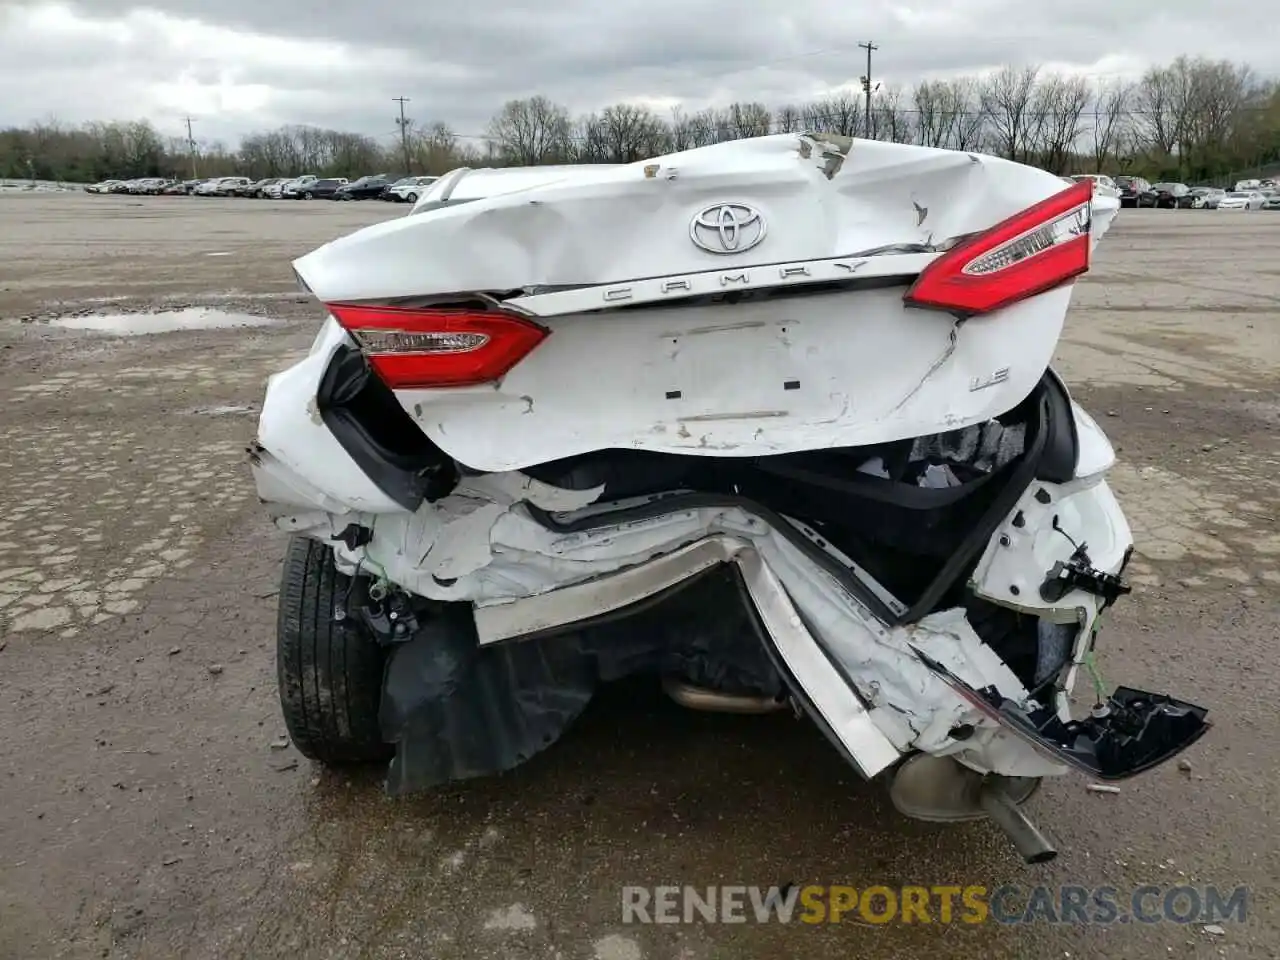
point(240, 65)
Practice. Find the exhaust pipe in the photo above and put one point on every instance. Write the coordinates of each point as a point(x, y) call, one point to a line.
point(995, 801)
point(713, 701)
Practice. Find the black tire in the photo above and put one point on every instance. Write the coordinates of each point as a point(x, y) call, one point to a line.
point(329, 673)
point(411, 198)
point(308, 195)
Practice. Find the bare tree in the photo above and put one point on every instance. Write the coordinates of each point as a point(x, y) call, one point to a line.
point(622, 133)
point(1008, 100)
point(1110, 117)
point(1059, 103)
point(1219, 93)
point(531, 131)
point(840, 113)
point(704, 128)
point(890, 119)
point(435, 149)
point(788, 119)
point(933, 126)
point(681, 130)
point(971, 120)
point(1156, 102)
point(749, 120)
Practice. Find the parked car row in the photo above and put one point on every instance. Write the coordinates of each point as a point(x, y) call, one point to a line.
point(307, 187)
point(1247, 195)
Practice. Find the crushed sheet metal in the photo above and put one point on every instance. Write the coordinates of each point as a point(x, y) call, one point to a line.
point(549, 234)
point(826, 150)
point(907, 703)
point(826, 689)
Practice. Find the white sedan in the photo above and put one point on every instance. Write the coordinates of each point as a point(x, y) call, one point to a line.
point(1102, 184)
point(1242, 200)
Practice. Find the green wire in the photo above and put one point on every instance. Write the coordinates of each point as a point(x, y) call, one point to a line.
point(1099, 688)
point(383, 579)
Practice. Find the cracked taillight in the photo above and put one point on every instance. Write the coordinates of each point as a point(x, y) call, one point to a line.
point(1036, 250)
point(423, 347)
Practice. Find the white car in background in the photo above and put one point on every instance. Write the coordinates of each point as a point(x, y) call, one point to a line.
point(218, 186)
point(1242, 200)
point(408, 190)
point(1102, 184)
point(1206, 198)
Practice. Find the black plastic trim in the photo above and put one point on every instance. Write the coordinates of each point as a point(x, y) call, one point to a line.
point(406, 476)
point(1021, 473)
point(1062, 445)
point(1133, 731)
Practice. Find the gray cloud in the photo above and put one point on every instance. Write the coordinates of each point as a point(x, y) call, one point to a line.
point(240, 65)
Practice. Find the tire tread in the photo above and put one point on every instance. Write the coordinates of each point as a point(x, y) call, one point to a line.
point(329, 673)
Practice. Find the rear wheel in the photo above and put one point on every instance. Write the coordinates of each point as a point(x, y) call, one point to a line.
point(329, 673)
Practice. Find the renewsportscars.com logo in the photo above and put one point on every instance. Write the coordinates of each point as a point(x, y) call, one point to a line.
point(970, 904)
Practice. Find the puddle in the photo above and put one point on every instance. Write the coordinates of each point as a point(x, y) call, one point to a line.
point(164, 321)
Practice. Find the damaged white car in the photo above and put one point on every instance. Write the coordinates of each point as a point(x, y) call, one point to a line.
point(771, 421)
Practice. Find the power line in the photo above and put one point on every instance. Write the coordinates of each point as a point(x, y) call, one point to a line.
point(403, 124)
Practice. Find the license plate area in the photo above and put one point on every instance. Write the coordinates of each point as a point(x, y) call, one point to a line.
point(704, 368)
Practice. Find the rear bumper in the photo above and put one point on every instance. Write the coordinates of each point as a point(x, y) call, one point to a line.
point(535, 561)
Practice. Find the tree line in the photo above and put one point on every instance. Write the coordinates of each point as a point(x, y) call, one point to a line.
point(1194, 119)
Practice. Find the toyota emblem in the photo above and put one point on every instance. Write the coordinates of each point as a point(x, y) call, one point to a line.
point(727, 228)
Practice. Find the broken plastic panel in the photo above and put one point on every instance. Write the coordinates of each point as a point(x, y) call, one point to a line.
point(1128, 733)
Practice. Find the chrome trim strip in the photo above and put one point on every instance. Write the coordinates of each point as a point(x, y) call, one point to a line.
point(683, 286)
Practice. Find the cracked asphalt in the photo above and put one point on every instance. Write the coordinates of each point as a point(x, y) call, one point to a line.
point(150, 808)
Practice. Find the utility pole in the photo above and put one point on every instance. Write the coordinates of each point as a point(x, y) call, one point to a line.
point(191, 147)
point(866, 84)
point(403, 123)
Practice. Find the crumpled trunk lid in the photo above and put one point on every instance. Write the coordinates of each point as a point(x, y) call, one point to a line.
point(675, 326)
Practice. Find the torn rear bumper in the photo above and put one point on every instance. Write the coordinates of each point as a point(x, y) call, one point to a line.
point(1131, 731)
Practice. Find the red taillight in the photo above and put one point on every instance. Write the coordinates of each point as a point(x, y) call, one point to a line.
point(1031, 252)
point(436, 347)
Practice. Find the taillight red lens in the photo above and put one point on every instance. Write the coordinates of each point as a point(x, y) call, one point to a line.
point(420, 347)
point(1036, 250)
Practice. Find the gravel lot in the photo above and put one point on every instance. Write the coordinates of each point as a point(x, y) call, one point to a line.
point(149, 809)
